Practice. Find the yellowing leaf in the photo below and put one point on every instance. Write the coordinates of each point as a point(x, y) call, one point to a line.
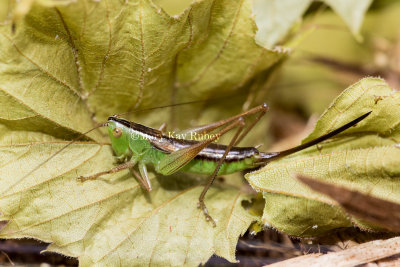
point(68, 66)
point(111, 221)
point(173, 7)
point(108, 57)
point(364, 158)
point(360, 205)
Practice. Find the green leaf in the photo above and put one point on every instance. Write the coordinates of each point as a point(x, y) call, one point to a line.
point(364, 158)
point(68, 66)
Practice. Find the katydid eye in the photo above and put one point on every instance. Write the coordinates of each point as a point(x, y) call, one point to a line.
point(117, 132)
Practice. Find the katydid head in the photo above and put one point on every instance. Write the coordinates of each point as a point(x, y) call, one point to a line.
point(118, 133)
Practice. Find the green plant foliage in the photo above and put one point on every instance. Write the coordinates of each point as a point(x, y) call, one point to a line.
point(364, 158)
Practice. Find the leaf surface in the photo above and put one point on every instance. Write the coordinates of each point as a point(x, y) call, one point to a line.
point(70, 65)
point(364, 158)
point(111, 221)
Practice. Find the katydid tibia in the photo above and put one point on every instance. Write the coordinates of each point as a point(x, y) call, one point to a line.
point(138, 145)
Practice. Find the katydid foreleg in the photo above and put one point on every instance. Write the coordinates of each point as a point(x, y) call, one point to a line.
point(123, 166)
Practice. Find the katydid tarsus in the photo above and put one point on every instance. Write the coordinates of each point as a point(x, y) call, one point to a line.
point(138, 146)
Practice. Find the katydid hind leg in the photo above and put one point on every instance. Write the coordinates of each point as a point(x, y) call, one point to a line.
point(176, 160)
point(262, 110)
point(207, 128)
point(210, 181)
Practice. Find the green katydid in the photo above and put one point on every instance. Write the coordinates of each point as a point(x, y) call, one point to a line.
point(138, 145)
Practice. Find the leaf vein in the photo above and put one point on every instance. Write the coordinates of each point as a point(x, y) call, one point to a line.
point(105, 58)
point(38, 114)
point(142, 60)
point(155, 211)
point(74, 50)
point(48, 74)
point(220, 51)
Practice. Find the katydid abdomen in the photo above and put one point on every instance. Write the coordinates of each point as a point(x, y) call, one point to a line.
point(207, 166)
